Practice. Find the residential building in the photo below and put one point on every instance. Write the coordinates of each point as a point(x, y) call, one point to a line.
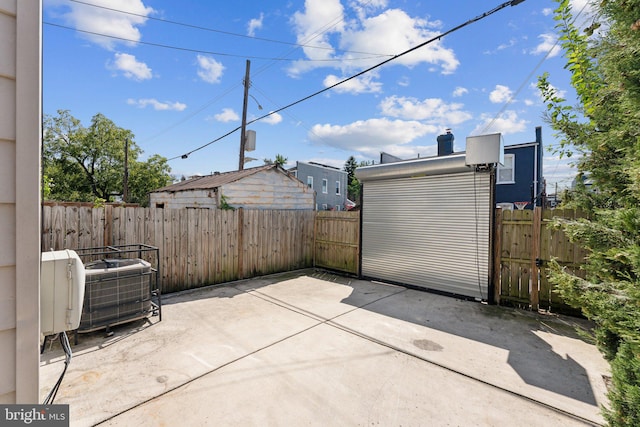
point(329, 183)
point(519, 178)
point(262, 187)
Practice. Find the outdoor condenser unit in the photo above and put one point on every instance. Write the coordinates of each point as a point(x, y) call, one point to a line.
point(116, 291)
point(484, 149)
point(62, 279)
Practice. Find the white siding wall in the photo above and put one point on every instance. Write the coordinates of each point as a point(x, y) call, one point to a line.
point(269, 190)
point(20, 118)
point(184, 199)
point(264, 190)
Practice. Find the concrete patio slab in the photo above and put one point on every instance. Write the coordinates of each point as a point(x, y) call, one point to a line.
point(315, 348)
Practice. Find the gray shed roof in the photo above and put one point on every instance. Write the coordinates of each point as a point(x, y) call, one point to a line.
point(216, 180)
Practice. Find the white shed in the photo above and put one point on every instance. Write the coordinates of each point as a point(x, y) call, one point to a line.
point(263, 187)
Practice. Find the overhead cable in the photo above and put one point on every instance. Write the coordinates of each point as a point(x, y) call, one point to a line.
point(228, 33)
point(186, 49)
point(431, 40)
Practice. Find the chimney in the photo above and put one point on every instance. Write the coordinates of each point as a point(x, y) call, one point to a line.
point(445, 143)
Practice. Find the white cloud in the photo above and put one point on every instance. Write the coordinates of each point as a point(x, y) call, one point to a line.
point(362, 84)
point(433, 110)
point(254, 24)
point(404, 81)
point(459, 91)
point(372, 136)
point(109, 22)
point(547, 44)
point(547, 11)
point(157, 105)
point(500, 94)
point(272, 119)
point(308, 31)
point(389, 32)
point(131, 67)
point(227, 115)
point(209, 69)
point(507, 123)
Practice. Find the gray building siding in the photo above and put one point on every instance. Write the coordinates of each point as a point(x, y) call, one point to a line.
point(327, 198)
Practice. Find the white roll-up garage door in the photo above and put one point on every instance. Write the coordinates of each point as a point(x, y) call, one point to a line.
point(431, 232)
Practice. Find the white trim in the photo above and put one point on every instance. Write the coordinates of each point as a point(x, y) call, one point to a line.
point(325, 186)
point(337, 188)
point(310, 181)
point(503, 168)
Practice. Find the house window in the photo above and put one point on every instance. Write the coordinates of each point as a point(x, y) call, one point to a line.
point(324, 206)
point(507, 171)
point(337, 188)
point(325, 185)
point(310, 181)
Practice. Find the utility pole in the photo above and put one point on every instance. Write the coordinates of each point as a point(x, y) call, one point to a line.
point(125, 180)
point(243, 129)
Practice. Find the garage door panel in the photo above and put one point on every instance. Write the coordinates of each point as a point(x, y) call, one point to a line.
point(431, 232)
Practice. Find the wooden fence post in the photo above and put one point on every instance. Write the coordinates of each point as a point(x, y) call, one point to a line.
point(108, 223)
point(240, 243)
point(535, 255)
point(497, 254)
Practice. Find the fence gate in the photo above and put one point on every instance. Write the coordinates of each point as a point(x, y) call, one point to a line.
point(524, 245)
point(337, 241)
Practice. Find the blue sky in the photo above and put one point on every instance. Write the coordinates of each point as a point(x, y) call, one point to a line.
point(172, 73)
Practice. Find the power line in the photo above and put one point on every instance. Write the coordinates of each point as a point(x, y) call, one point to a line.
point(431, 40)
point(186, 49)
point(228, 33)
point(526, 80)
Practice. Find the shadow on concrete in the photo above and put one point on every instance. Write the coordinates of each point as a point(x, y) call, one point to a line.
point(510, 329)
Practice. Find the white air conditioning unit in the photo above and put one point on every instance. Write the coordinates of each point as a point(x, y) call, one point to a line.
point(484, 150)
point(62, 278)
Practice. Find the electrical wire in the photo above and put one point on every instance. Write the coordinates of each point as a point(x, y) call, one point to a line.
point(228, 33)
point(259, 71)
point(429, 41)
point(526, 80)
point(64, 341)
point(208, 52)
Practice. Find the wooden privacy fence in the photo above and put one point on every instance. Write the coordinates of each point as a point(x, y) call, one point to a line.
point(197, 246)
point(523, 247)
point(337, 241)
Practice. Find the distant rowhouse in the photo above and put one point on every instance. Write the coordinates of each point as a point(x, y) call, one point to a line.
point(263, 187)
point(329, 183)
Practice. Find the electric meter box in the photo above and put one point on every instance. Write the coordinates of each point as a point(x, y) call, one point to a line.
point(62, 277)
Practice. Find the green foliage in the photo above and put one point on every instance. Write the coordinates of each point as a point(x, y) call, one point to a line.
point(603, 133)
point(224, 204)
point(84, 164)
point(280, 160)
point(625, 392)
point(350, 166)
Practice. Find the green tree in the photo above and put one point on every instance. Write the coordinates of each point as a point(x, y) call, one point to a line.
point(87, 164)
point(350, 166)
point(603, 132)
point(280, 160)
